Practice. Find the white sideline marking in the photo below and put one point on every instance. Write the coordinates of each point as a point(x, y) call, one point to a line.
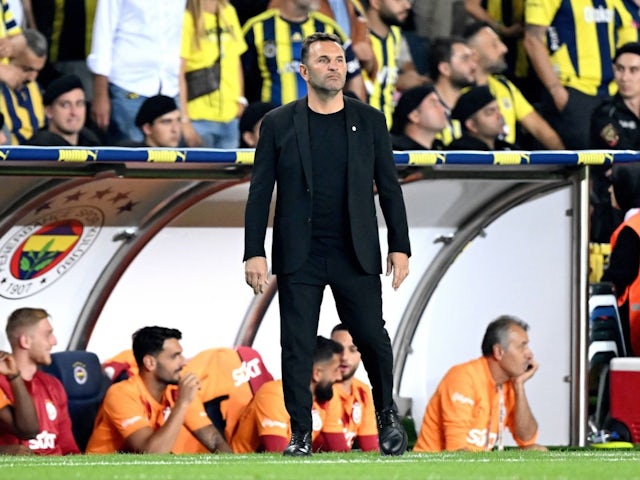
point(126, 460)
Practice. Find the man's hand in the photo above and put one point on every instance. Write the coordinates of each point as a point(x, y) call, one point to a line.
point(8, 365)
point(255, 274)
point(7, 49)
point(398, 263)
point(101, 111)
point(12, 76)
point(523, 377)
point(188, 386)
point(560, 96)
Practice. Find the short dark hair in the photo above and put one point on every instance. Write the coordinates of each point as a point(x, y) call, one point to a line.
point(317, 37)
point(440, 51)
point(473, 28)
point(341, 327)
point(326, 349)
point(150, 341)
point(498, 332)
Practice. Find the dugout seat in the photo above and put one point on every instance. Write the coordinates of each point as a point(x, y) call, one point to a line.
point(85, 384)
point(606, 341)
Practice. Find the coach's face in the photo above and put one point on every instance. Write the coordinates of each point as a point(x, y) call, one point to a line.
point(326, 67)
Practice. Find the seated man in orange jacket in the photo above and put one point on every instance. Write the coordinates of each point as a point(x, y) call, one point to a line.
point(265, 424)
point(146, 412)
point(477, 400)
point(352, 398)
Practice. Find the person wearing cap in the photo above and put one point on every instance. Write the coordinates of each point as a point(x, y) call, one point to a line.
point(418, 117)
point(489, 53)
point(481, 120)
point(159, 121)
point(135, 54)
point(66, 111)
point(250, 123)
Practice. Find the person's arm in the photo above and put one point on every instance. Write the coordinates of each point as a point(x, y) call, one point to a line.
point(100, 60)
point(243, 103)
point(408, 76)
point(21, 416)
point(28, 14)
point(536, 48)
point(191, 137)
point(257, 210)
point(525, 427)
point(101, 104)
point(542, 131)
point(392, 204)
point(474, 8)
point(146, 440)
point(367, 433)
point(211, 438)
point(355, 82)
point(11, 75)
point(250, 69)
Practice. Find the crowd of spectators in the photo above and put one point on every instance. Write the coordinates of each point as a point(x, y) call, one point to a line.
point(547, 69)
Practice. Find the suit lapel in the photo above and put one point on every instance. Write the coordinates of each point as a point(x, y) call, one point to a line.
point(301, 125)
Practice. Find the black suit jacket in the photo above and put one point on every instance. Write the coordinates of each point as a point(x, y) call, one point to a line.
point(283, 156)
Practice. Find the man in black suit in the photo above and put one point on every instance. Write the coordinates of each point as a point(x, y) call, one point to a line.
point(325, 152)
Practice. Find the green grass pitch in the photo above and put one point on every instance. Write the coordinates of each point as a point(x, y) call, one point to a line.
point(511, 464)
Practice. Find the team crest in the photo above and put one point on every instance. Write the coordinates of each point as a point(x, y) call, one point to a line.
point(52, 411)
point(46, 248)
point(610, 135)
point(356, 413)
point(269, 49)
point(316, 420)
point(80, 373)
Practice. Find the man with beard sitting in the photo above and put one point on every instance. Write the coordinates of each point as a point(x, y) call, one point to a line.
point(264, 425)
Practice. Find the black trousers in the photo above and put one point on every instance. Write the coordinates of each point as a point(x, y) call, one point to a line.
point(358, 298)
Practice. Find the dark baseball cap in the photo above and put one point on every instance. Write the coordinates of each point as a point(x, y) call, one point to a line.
point(154, 107)
point(409, 101)
point(631, 47)
point(471, 101)
point(60, 86)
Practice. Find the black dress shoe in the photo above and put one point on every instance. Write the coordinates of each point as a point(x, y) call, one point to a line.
point(391, 434)
point(299, 445)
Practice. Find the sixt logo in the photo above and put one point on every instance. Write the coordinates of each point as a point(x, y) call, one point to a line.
point(39, 253)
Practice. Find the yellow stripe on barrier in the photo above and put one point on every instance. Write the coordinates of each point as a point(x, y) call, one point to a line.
point(594, 158)
point(426, 158)
point(165, 156)
point(244, 157)
point(77, 155)
point(510, 158)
